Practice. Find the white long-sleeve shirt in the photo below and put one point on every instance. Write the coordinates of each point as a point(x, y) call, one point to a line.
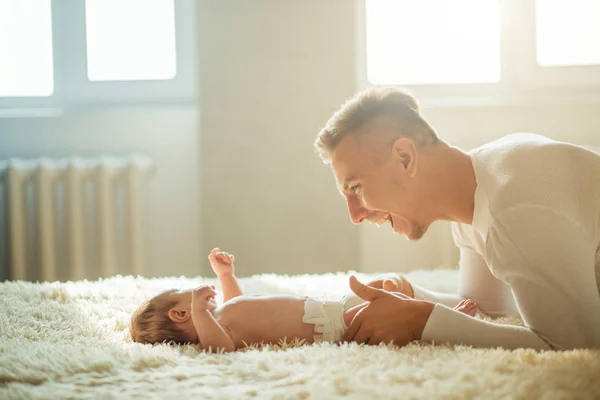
point(533, 248)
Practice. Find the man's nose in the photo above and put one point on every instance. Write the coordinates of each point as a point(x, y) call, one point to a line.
point(357, 211)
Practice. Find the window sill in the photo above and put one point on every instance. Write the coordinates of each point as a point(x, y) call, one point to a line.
point(556, 98)
point(499, 95)
point(59, 112)
point(33, 112)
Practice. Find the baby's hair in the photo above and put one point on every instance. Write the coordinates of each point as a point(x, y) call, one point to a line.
point(150, 323)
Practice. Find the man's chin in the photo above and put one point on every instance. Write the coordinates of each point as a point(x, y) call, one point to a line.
point(417, 232)
point(413, 238)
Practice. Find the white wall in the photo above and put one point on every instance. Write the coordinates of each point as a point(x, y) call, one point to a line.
point(168, 135)
point(272, 72)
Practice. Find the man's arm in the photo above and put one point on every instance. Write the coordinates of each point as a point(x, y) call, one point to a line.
point(447, 299)
point(551, 269)
point(393, 318)
point(493, 298)
point(386, 316)
point(475, 280)
point(549, 261)
point(446, 325)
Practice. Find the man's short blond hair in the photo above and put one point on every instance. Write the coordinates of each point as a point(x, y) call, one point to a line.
point(367, 105)
point(150, 323)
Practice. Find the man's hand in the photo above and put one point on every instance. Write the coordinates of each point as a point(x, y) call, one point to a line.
point(203, 298)
point(221, 262)
point(388, 317)
point(396, 283)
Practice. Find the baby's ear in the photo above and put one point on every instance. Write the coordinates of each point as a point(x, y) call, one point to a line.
point(176, 315)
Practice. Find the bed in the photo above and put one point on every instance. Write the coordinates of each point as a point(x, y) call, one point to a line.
point(71, 340)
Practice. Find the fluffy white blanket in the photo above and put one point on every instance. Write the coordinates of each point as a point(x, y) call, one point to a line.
point(71, 340)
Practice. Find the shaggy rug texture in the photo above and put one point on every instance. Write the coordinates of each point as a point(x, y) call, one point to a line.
point(71, 340)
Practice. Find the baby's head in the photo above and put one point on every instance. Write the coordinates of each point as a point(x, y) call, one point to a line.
point(166, 317)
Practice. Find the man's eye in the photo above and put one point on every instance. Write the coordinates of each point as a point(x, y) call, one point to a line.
point(354, 188)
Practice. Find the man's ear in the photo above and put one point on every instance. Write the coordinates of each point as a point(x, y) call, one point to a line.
point(176, 315)
point(406, 151)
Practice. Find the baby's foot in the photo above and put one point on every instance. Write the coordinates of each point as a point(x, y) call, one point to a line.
point(467, 306)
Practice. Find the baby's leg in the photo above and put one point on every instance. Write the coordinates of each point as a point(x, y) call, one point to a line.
point(467, 306)
point(351, 299)
point(389, 285)
point(393, 283)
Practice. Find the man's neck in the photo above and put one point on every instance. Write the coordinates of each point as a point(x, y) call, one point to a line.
point(453, 184)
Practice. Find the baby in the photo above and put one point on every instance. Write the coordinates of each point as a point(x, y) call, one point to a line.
point(192, 316)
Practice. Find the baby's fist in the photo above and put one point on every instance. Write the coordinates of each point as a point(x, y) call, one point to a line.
point(203, 298)
point(221, 262)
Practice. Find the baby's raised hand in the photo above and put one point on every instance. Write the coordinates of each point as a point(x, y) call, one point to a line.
point(221, 262)
point(203, 298)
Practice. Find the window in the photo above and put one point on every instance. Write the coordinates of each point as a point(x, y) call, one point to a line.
point(407, 43)
point(58, 53)
point(26, 48)
point(567, 32)
point(116, 52)
point(482, 49)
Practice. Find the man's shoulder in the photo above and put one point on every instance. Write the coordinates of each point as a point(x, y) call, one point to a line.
point(528, 169)
point(524, 147)
point(520, 141)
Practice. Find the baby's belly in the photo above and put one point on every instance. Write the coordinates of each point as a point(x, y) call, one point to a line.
point(267, 320)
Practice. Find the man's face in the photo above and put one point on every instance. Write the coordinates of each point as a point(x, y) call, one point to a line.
point(378, 183)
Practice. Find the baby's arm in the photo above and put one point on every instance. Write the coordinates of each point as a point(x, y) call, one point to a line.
point(222, 263)
point(210, 333)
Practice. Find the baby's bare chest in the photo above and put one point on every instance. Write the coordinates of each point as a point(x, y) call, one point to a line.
point(259, 315)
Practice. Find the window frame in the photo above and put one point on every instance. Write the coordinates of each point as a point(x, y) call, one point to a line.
point(550, 76)
point(522, 80)
point(72, 88)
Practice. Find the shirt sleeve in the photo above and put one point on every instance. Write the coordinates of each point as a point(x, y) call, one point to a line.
point(475, 282)
point(447, 299)
point(446, 325)
point(548, 260)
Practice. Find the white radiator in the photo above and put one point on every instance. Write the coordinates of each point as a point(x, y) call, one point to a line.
point(64, 215)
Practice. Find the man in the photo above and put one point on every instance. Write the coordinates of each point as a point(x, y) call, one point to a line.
point(526, 218)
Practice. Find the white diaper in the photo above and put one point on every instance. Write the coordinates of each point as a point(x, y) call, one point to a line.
point(351, 300)
point(328, 318)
